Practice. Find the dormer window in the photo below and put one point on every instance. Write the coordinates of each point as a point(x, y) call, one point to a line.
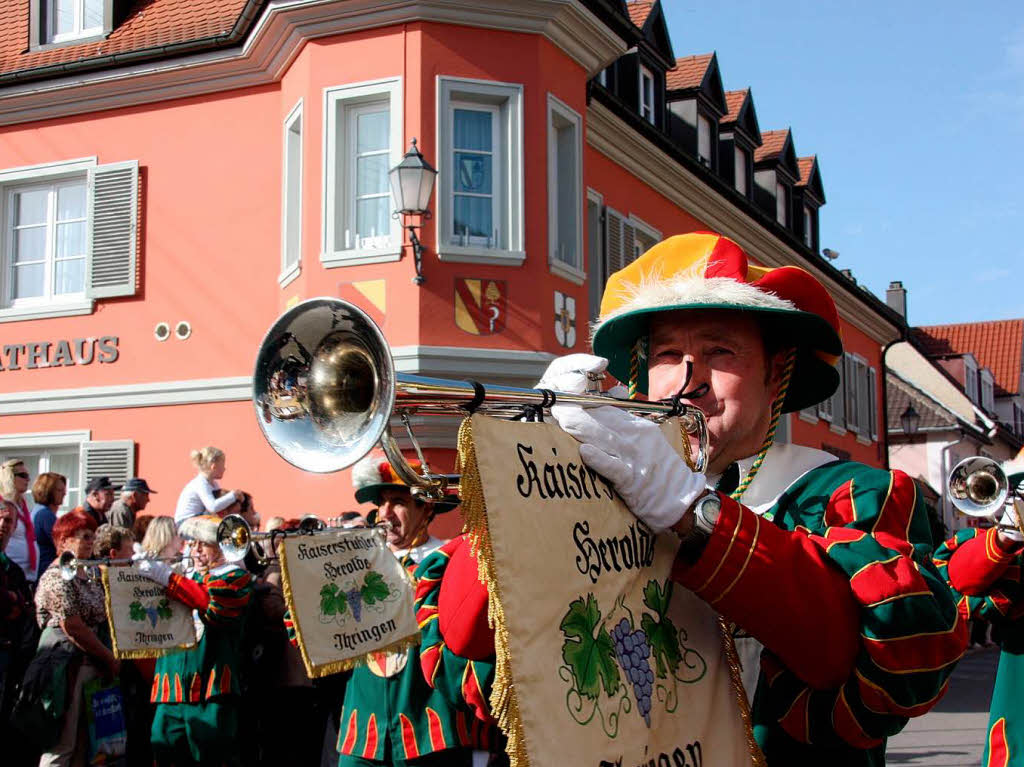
point(971, 379)
point(73, 19)
point(988, 401)
point(704, 140)
point(808, 226)
point(647, 94)
point(741, 169)
point(781, 203)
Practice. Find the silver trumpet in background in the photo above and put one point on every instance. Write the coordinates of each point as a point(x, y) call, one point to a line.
point(236, 538)
point(69, 563)
point(978, 487)
point(325, 389)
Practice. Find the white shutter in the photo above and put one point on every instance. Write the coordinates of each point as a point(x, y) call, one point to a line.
point(839, 397)
point(850, 379)
point(614, 254)
point(873, 401)
point(113, 228)
point(628, 243)
point(112, 458)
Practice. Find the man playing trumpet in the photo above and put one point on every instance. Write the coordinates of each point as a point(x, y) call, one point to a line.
point(983, 567)
point(824, 565)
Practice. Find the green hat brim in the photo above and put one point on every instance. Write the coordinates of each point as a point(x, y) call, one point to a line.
point(813, 378)
point(371, 494)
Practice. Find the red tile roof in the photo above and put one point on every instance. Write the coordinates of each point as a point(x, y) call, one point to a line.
point(806, 165)
point(149, 24)
point(772, 142)
point(733, 101)
point(688, 72)
point(639, 10)
point(997, 345)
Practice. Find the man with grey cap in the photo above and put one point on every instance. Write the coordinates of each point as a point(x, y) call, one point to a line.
point(134, 499)
point(99, 495)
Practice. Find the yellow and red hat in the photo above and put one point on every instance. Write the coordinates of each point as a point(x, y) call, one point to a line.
point(374, 473)
point(703, 270)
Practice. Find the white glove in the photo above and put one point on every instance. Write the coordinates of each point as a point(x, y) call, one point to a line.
point(1008, 527)
point(156, 570)
point(633, 454)
point(569, 373)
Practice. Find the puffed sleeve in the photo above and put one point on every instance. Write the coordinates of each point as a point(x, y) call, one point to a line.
point(856, 536)
point(984, 577)
point(453, 619)
point(230, 594)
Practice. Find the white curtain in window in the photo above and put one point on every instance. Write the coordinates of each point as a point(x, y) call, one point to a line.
point(370, 162)
point(473, 182)
point(703, 139)
point(740, 170)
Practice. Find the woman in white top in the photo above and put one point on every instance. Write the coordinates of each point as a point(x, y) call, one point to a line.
point(22, 548)
point(197, 497)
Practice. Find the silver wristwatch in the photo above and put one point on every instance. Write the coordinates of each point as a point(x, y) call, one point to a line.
point(706, 511)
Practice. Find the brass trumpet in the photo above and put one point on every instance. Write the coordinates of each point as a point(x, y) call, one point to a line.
point(236, 538)
point(69, 563)
point(325, 389)
point(978, 487)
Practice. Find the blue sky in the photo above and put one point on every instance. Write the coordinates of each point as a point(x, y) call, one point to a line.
point(916, 113)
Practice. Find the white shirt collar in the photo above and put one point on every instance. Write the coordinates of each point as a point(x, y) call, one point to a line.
point(417, 553)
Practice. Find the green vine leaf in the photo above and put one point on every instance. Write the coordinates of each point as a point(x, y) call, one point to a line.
point(164, 609)
point(662, 633)
point(589, 651)
point(656, 597)
point(328, 599)
point(374, 588)
point(135, 612)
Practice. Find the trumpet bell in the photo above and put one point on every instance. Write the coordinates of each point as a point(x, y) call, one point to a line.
point(68, 566)
point(978, 487)
point(323, 385)
point(234, 537)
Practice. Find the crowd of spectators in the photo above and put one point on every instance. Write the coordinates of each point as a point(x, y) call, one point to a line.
point(54, 635)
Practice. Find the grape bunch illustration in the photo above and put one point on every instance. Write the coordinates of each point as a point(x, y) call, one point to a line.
point(355, 601)
point(336, 601)
point(138, 612)
point(634, 653)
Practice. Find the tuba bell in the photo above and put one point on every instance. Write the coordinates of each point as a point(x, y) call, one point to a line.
point(325, 390)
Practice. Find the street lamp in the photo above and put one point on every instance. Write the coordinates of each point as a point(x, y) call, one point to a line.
point(412, 183)
point(910, 420)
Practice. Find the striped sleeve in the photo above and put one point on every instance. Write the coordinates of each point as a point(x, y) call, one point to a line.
point(230, 594)
point(465, 683)
point(985, 579)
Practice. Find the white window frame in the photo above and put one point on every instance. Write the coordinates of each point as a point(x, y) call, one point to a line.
point(971, 379)
point(79, 31)
point(37, 442)
point(509, 190)
point(645, 236)
point(808, 226)
point(559, 110)
point(781, 202)
point(647, 108)
point(44, 173)
point(291, 196)
point(340, 98)
point(596, 264)
point(740, 163)
point(703, 122)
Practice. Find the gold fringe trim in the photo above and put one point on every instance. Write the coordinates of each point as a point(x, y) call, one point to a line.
point(504, 697)
point(736, 677)
point(314, 670)
point(120, 653)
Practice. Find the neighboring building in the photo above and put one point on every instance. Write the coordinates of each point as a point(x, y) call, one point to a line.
point(175, 174)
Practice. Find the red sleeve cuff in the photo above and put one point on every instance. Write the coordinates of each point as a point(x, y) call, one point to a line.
point(977, 564)
point(188, 592)
point(781, 588)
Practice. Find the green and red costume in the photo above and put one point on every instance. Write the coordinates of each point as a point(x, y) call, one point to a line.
point(197, 691)
point(391, 714)
point(986, 580)
point(828, 566)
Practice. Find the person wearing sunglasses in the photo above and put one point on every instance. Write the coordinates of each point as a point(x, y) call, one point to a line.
point(22, 549)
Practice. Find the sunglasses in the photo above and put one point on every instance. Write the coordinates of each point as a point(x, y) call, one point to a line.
point(21, 474)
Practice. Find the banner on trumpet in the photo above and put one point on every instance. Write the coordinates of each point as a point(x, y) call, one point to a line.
point(599, 654)
point(348, 596)
point(144, 621)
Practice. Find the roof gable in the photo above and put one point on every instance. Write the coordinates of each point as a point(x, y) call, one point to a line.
point(777, 150)
point(697, 74)
point(740, 114)
point(148, 24)
point(997, 345)
point(810, 177)
point(648, 16)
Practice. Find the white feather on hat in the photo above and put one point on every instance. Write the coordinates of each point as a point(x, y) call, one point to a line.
point(202, 527)
point(367, 472)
